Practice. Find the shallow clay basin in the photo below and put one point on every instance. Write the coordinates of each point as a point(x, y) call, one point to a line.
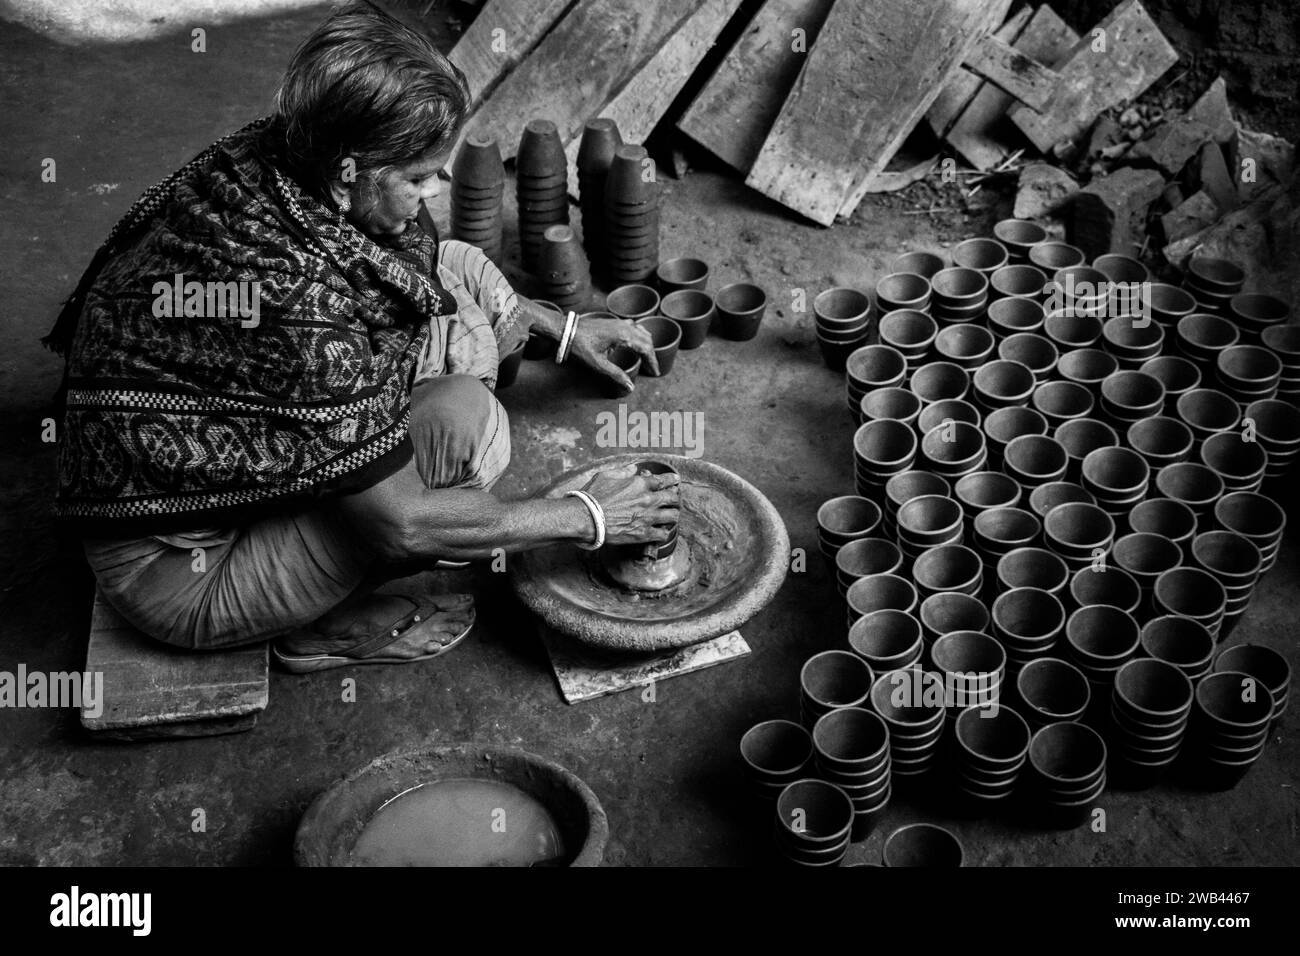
point(330, 827)
point(739, 553)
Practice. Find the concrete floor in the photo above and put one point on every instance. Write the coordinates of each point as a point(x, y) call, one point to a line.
point(118, 118)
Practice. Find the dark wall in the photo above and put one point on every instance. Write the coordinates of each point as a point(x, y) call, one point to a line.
point(1254, 44)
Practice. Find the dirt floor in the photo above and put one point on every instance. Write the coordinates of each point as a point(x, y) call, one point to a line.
point(118, 118)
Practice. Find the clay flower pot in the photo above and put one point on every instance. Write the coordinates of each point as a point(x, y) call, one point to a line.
point(924, 264)
point(1047, 496)
point(1062, 401)
point(899, 404)
point(1013, 315)
point(1003, 382)
point(982, 255)
point(909, 331)
point(1034, 460)
point(740, 310)
point(968, 346)
point(693, 311)
point(1051, 690)
point(1033, 568)
point(888, 640)
point(1052, 257)
point(1177, 374)
point(946, 611)
point(1018, 280)
point(923, 845)
point(1161, 441)
point(775, 753)
point(1087, 367)
point(633, 302)
point(667, 336)
point(949, 567)
point(877, 592)
point(903, 290)
point(939, 380)
point(673, 275)
point(1019, 236)
point(1180, 641)
point(1112, 586)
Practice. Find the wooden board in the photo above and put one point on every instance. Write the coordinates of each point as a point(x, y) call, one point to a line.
point(979, 134)
point(962, 87)
point(1022, 76)
point(1136, 54)
point(577, 68)
point(583, 673)
point(645, 97)
point(502, 34)
point(732, 114)
point(153, 690)
point(858, 96)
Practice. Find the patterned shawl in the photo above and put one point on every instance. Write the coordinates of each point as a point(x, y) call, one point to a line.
point(203, 415)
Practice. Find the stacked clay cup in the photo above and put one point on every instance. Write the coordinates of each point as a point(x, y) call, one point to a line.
point(631, 215)
point(600, 139)
point(478, 182)
point(843, 320)
point(992, 745)
point(910, 701)
point(844, 519)
point(775, 754)
point(541, 187)
point(1213, 283)
point(832, 679)
point(1149, 712)
point(1067, 764)
point(1265, 665)
point(1284, 342)
point(814, 820)
point(851, 750)
point(562, 269)
point(1233, 713)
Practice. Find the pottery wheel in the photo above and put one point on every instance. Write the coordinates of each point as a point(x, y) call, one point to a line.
point(739, 553)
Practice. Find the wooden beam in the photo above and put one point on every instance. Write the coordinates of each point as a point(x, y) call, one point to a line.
point(644, 98)
point(982, 134)
point(732, 114)
point(577, 67)
point(958, 92)
point(501, 35)
point(1115, 62)
point(1023, 77)
point(948, 32)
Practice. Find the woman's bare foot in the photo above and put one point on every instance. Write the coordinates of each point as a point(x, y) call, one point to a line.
point(445, 616)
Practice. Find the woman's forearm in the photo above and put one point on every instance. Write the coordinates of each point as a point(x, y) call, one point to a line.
point(543, 321)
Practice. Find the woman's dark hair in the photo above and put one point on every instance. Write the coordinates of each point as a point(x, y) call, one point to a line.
point(367, 86)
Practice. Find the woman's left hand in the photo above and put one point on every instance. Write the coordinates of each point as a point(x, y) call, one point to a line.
point(595, 337)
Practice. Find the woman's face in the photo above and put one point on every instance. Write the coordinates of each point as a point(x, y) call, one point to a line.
point(383, 206)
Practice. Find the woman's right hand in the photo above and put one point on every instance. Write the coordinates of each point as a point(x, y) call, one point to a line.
point(635, 505)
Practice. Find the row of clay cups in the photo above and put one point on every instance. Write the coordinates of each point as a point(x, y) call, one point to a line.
point(1231, 721)
point(1150, 706)
point(814, 823)
point(1067, 770)
point(851, 751)
point(910, 701)
point(1265, 665)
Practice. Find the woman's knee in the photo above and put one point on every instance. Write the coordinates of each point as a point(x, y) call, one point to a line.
point(455, 420)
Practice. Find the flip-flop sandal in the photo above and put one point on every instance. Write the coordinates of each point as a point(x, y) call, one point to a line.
point(370, 650)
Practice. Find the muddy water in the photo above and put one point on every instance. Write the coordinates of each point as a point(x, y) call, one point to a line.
point(459, 823)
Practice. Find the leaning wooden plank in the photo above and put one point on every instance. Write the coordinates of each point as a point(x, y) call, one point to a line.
point(502, 34)
point(732, 114)
point(154, 690)
point(982, 134)
point(1022, 76)
point(577, 67)
point(965, 85)
point(644, 98)
point(950, 30)
point(1114, 62)
point(858, 96)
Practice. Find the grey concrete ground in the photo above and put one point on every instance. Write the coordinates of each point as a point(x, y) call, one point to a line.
point(118, 118)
